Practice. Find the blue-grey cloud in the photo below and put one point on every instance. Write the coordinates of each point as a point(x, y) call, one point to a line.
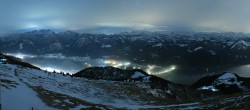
point(109, 16)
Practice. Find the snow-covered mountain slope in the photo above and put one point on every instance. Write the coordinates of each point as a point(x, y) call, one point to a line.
point(15, 94)
point(240, 45)
point(225, 83)
point(44, 90)
point(168, 89)
point(27, 88)
point(24, 87)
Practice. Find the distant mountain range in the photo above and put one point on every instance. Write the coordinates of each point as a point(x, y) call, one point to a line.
point(142, 47)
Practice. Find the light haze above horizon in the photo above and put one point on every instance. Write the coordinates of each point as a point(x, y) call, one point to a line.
point(113, 16)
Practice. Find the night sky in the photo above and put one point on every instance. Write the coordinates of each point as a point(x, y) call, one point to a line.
point(112, 16)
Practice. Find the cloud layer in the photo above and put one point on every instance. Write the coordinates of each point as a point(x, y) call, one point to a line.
point(110, 16)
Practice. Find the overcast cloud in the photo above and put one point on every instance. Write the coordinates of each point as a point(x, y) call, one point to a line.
point(111, 16)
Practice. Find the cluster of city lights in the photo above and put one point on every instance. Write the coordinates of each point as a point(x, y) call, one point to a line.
point(116, 63)
point(150, 70)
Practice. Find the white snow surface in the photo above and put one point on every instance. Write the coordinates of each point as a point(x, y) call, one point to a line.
point(91, 91)
point(158, 45)
point(137, 75)
point(20, 98)
point(21, 46)
point(241, 43)
point(226, 78)
point(106, 46)
point(198, 48)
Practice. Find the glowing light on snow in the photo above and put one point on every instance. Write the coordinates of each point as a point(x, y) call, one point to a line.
point(113, 62)
point(116, 63)
point(208, 88)
point(127, 63)
point(32, 25)
point(49, 69)
point(107, 62)
point(87, 64)
point(20, 55)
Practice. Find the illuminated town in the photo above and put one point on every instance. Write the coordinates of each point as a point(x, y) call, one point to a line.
point(150, 69)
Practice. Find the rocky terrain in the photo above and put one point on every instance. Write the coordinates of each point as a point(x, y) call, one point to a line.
point(191, 48)
point(114, 88)
point(28, 87)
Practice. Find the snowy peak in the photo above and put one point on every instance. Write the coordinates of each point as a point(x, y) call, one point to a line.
point(228, 79)
point(240, 45)
point(227, 76)
point(225, 83)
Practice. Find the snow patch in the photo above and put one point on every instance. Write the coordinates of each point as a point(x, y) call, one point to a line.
point(137, 75)
point(21, 46)
point(80, 107)
point(226, 76)
point(106, 46)
point(212, 52)
point(155, 93)
point(241, 45)
point(198, 48)
point(157, 45)
point(147, 78)
point(183, 45)
point(211, 87)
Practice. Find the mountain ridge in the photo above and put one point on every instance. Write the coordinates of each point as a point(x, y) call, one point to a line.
point(225, 82)
point(154, 47)
point(56, 91)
